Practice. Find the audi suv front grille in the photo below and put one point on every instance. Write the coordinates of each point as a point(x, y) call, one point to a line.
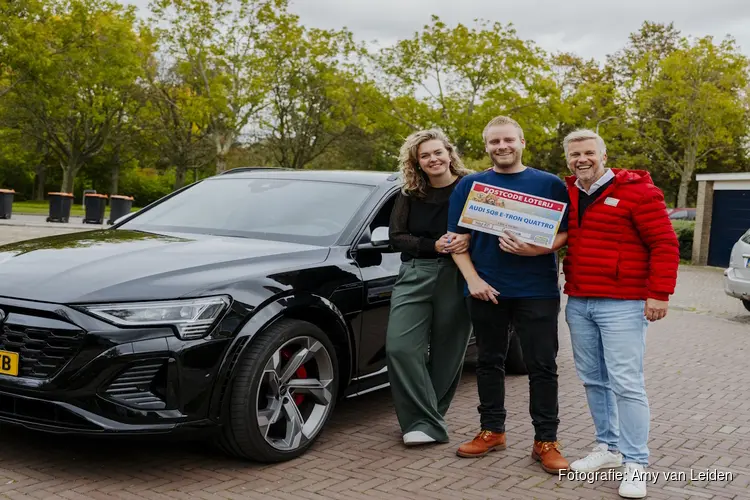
point(42, 351)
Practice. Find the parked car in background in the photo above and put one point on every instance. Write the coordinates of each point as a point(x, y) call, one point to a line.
point(681, 213)
point(737, 275)
point(244, 305)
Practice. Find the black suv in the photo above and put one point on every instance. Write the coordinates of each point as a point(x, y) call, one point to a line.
point(245, 304)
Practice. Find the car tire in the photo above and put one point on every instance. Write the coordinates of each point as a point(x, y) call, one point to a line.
point(276, 411)
point(746, 303)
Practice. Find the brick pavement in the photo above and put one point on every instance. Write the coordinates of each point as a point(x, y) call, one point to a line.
point(700, 421)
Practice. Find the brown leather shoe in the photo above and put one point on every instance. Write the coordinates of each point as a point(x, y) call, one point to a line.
point(548, 453)
point(483, 443)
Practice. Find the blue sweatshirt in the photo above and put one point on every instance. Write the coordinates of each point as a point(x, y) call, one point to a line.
point(514, 276)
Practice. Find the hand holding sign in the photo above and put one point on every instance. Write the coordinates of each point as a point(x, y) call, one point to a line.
point(510, 243)
point(531, 219)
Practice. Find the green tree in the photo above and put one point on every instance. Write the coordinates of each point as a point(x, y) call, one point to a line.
point(638, 123)
point(318, 92)
point(585, 98)
point(73, 102)
point(24, 27)
point(701, 89)
point(177, 121)
point(220, 49)
point(636, 66)
point(467, 75)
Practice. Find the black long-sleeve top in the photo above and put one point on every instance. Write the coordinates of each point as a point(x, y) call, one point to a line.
point(417, 223)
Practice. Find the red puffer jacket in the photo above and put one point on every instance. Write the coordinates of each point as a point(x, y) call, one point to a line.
point(625, 247)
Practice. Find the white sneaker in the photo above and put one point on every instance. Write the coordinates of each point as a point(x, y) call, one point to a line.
point(417, 437)
point(599, 458)
point(633, 483)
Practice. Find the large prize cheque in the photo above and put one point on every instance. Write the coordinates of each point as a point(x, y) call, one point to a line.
point(496, 210)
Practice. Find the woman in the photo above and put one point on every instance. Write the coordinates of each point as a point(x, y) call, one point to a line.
point(427, 305)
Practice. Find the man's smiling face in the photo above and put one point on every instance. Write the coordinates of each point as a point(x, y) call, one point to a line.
point(504, 145)
point(585, 161)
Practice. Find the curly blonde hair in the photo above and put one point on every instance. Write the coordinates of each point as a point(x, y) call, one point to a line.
point(415, 180)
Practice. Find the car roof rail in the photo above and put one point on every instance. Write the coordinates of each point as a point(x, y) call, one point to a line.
point(250, 169)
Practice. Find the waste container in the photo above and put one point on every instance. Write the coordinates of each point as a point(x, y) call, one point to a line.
point(6, 203)
point(119, 205)
point(59, 207)
point(94, 206)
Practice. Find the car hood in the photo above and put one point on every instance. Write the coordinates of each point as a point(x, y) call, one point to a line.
point(121, 265)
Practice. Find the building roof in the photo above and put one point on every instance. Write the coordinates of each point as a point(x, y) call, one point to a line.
point(733, 176)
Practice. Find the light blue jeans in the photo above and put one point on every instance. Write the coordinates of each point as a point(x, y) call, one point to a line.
point(609, 340)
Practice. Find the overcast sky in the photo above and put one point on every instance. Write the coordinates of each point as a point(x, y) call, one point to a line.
point(590, 28)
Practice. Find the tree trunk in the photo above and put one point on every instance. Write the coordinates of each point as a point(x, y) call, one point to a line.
point(691, 155)
point(69, 175)
point(41, 180)
point(221, 163)
point(179, 176)
point(223, 143)
point(115, 185)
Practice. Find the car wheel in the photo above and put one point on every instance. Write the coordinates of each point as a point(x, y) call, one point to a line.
point(284, 393)
point(746, 303)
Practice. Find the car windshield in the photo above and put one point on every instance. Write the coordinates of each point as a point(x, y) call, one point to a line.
point(291, 210)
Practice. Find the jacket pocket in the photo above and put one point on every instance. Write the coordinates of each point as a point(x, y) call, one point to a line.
point(607, 265)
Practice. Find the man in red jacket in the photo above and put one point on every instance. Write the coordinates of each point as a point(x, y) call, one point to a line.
point(620, 269)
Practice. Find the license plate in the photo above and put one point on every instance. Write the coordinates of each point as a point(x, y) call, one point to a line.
point(746, 258)
point(8, 363)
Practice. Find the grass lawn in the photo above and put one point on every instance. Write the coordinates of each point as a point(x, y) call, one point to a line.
point(42, 208)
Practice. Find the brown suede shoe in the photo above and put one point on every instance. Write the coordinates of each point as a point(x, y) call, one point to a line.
point(483, 443)
point(548, 453)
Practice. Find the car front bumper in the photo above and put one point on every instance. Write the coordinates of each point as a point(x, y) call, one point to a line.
point(78, 374)
point(736, 286)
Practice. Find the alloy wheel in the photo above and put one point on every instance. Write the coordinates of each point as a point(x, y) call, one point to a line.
point(294, 397)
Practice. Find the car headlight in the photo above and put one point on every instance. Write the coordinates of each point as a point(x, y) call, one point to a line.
point(191, 317)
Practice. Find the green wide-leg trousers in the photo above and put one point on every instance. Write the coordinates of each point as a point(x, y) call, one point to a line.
point(428, 310)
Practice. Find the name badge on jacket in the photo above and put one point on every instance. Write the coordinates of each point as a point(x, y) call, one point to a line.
point(611, 201)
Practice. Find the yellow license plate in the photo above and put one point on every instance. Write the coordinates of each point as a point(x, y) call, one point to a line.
point(8, 363)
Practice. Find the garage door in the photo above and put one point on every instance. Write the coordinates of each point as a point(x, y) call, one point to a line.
point(731, 218)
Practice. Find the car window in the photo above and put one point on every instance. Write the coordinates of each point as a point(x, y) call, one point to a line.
point(383, 217)
point(298, 211)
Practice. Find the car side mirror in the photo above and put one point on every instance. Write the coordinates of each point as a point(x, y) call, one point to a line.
point(379, 239)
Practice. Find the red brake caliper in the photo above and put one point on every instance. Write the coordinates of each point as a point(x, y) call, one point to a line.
point(301, 373)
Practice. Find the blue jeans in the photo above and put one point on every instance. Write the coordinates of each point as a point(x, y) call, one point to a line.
point(609, 340)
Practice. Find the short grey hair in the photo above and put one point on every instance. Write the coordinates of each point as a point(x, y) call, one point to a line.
point(583, 135)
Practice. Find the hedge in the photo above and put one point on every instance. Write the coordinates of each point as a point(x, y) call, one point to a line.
point(684, 230)
point(146, 185)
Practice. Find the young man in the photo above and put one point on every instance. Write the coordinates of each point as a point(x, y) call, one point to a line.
point(620, 269)
point(512, 281)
